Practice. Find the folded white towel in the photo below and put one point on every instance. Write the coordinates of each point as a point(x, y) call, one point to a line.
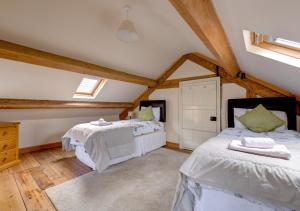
point(278, 151)
point(258, 142)
point(97, 123)
point(101, 120)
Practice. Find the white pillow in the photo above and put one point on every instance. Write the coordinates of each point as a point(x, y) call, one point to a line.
point(282, 115)
point(156, 112)
point(237, 112)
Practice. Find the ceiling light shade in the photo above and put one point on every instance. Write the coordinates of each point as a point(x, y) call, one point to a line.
point(126, 31)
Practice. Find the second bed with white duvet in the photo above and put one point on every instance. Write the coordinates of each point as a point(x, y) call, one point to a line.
point(148, 136)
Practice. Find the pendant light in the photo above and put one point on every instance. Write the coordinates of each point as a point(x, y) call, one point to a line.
point(126, 31)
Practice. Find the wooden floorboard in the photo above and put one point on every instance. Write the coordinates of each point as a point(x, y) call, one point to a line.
point(34, 198)
point(22, 187)
point(10, 197)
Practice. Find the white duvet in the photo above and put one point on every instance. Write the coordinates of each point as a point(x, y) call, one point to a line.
point(105, 143)
point(269, 180)
point(102, 143)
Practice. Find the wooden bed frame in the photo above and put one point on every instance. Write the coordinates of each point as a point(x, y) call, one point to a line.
point(285, 104)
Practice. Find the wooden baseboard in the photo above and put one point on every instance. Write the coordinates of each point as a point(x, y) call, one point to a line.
point(175, 146)
point(40, 147)
point(172, 145)
point(169, 145)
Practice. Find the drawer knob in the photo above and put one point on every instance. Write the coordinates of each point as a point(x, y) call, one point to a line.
point(4, 146)
point(4, 133)
point(4, 159)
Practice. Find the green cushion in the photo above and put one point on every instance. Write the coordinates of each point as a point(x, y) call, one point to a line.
point(261, 120)
point(146, 114)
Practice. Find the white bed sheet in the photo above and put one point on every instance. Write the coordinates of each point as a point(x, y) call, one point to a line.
point(81, 155)
point(279, 136)
point(146, 127)
point(141, 128)
point(213, 199)
point(143, 144)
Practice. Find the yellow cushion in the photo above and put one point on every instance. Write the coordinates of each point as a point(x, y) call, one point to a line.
point(261, 120)
point(146, 114)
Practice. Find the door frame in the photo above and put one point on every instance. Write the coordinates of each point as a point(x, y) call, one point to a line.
point(218, 105)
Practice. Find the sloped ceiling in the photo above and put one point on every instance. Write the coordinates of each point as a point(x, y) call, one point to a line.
point(189, 69)
point(26, 81)
point(273, 17)
point(86, 30)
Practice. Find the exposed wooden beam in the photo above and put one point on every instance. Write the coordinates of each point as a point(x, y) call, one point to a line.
point(170, 70)
point(144, 96)
point(202, 18)
point(270, 86)
point(39, 104)
point(250, 94)
point(258, 87)
point(252, 84)
point(33, 56)
point(175, 82)
point(150, 90)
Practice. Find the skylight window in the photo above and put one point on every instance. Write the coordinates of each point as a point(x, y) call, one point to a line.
point(279, 45)
point(279, 49)
point(287, 43)
point(89, 88)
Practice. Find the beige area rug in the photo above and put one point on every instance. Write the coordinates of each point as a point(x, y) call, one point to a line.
point(147, 183)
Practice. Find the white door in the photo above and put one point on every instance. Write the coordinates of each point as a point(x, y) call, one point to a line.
point(199, 111)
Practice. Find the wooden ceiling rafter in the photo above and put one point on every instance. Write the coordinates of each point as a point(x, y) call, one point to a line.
point(25, 54)
point(174, 83)
point(203, 19)
point(54, 104)
point(256, 87)
point(161, 79)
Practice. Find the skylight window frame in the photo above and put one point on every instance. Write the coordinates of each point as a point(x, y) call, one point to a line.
point(93, 93)
point(262, 41)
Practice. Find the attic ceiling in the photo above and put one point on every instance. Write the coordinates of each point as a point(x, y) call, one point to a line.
point(85, 30)
point(26, 81)
point(272, 17)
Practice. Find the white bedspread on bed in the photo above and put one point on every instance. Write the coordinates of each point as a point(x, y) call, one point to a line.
point(266, 179)
point(102, 143)
point(146, 127)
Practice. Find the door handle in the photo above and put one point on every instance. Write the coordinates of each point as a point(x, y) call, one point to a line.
point(213, 118)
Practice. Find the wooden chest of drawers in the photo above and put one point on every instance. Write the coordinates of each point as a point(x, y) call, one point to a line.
point(9, 144)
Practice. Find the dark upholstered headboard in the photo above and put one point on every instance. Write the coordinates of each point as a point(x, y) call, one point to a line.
point(156, 103)
point(286, 104)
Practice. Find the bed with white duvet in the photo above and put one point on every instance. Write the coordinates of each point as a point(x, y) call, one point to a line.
point(215, 178)
point(147, 136)
point(99, 144)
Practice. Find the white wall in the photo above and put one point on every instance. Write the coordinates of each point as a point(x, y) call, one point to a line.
point(172, 100)
point(229, 91)
point(42, 126)
point(172, 120)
